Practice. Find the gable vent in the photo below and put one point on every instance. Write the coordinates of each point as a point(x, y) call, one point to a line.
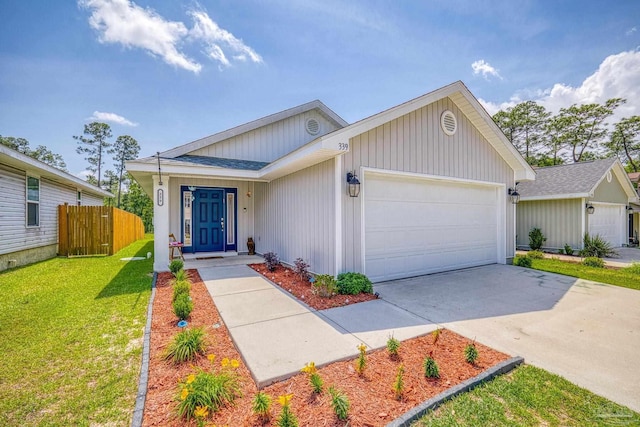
point(312, 126)
point(448, 122)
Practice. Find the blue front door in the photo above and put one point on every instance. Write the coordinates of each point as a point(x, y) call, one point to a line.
point(209, 220)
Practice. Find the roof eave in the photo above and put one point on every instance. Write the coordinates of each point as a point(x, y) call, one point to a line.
point(556, 197)
point(24, 162)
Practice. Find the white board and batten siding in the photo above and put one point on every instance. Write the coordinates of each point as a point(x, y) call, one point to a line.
point(295, 217)
point(14, 233)
point(560, 220)
point(270, 142)
point(415, 145)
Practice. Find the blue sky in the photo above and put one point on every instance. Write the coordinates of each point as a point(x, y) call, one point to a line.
point(170, 71)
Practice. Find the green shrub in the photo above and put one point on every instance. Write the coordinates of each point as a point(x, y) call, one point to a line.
point(186, 345)
point(286, 418)
point(593, 261)
point(596, 246)
point(181, 276)
point(175, 266)
point(522, 261)
point(568, 249)
point(182, 306)
point(324, 285)
point(354, 283)
point(471, 353)
point(561, 251)
point(634, 268)
point(431, 369)
point(180, 288)
point(398, 384)
point(393, 345)
point(536, 239)
point(261, 404)
point(207, 390)
point(340, 403)
point(535, 254)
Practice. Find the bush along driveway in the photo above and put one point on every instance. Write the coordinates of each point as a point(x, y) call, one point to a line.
point(584, 331)
point(71, 339)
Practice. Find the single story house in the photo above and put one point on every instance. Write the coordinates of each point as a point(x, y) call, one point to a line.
point(566, 201)
point(31, 192)
point(419, 188)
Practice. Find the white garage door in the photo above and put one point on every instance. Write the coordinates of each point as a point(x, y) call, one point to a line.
point(416, 226)
point(609, 222)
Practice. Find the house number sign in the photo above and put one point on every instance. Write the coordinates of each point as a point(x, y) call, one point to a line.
point(160, 197)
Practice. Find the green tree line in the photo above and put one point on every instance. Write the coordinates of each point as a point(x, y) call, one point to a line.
point(575, 134)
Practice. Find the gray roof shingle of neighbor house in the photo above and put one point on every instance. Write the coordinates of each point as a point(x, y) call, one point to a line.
point(566, 179)
point(223, 163)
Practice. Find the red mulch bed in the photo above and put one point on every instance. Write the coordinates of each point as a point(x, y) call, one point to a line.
point(371, 395)
point(285, 278)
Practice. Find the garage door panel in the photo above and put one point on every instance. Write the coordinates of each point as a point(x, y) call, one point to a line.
point(415, 227)
point(608, 221)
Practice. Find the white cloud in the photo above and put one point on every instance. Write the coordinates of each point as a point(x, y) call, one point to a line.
point(112, 118)
point(482, 67)
point(631, 30)
point(206, 30)
point(123, 22)
point(616, 77)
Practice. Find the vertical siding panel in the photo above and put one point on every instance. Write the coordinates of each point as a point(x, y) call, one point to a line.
point(393, 142)
point(386, 142)
point(400, 142)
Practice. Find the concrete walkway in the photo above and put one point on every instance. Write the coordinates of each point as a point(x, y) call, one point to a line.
point(277, 335)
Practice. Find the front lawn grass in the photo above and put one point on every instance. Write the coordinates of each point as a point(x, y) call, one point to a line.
point(71, 339)
point(529, 396)
point(622, 277)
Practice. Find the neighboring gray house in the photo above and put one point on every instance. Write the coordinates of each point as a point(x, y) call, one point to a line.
point(31, 191)
point(568, 200)
point(434, 175)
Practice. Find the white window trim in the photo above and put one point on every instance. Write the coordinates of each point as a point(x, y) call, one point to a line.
point(35, 202)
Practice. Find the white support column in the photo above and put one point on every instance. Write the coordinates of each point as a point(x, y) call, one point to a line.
point(161, 223)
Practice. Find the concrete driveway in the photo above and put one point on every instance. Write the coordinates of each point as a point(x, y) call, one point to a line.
point(584, 331)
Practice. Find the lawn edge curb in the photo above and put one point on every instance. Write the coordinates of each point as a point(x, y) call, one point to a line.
point(138, 412)
point(412, 415)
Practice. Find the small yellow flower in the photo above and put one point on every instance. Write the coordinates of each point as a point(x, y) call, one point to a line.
point(285, 399)
point(191, 378)
point(309, 368)
point(234, 363)
point(362, 348)
point(184, 394)
point(201, 412)
point(211, 357)
point(225, 362)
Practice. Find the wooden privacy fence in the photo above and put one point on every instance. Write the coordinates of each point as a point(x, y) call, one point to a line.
point(96, 230)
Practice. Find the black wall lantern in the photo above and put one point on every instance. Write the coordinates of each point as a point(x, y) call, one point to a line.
point(590, 208)
point(514, 196)
point(353, 185)
point(629, 209)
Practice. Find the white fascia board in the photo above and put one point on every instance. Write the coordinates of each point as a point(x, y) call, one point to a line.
point(28, 164)
point(557, 197)
point(193, 170)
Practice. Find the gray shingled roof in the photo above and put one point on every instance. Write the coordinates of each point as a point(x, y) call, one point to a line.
point(576, 178)
point(223, 163)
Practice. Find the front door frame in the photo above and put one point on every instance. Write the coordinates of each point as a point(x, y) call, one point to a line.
point(187, 225)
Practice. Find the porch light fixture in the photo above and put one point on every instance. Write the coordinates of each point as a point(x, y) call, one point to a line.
point(353, 185)
point(590, 208)
point(514, 196)
point(629, 209)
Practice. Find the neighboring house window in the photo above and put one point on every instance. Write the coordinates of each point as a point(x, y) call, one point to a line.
point(33, 202)
point(79, 198)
